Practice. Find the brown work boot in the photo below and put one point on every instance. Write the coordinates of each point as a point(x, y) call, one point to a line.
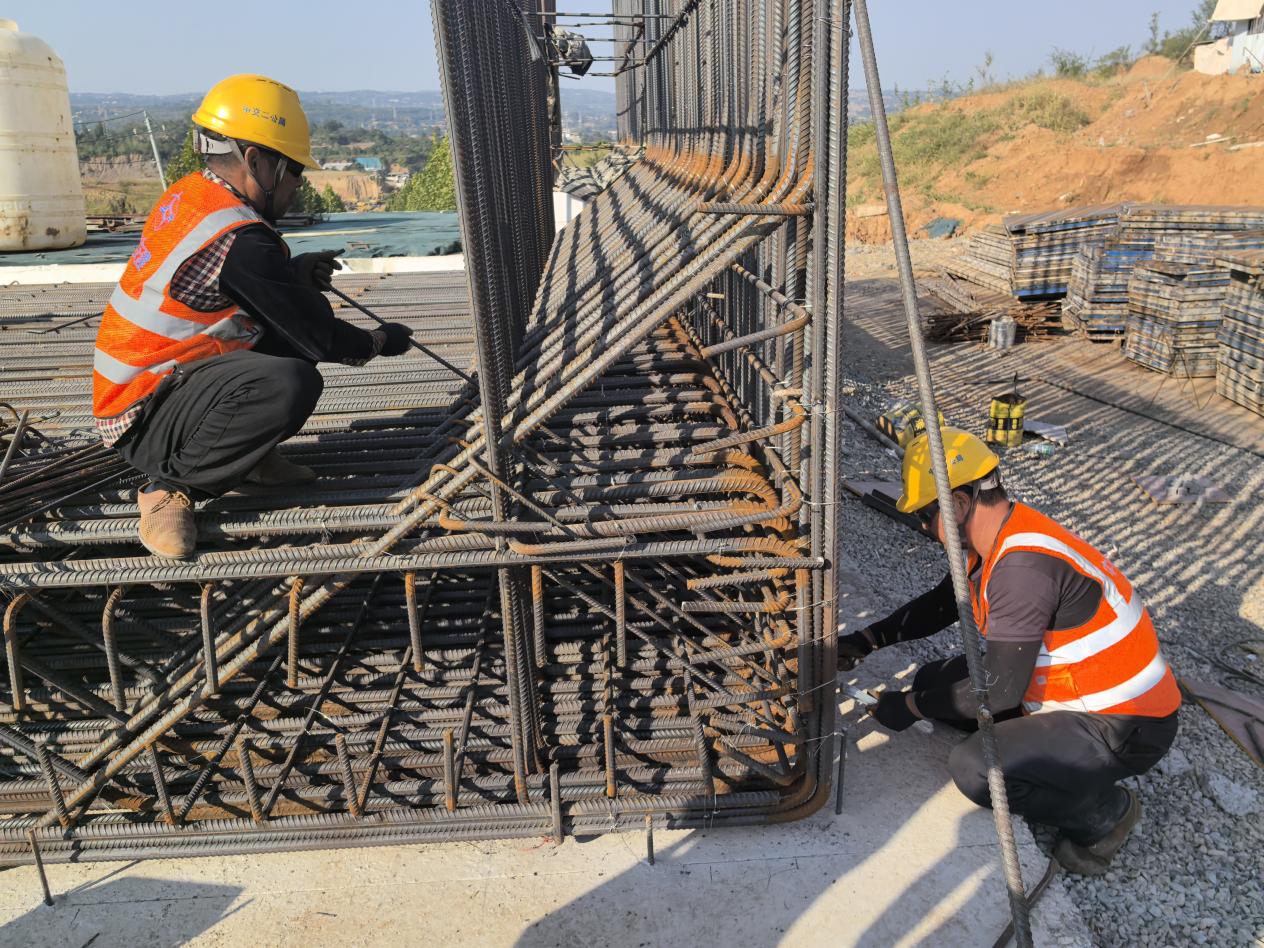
point(275, 471)
point(1094, 859)
point(167, 527)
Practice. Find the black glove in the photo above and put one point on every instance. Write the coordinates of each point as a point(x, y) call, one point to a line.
point(892, 711)
point(397, 339)
point(852, 648)
point(316, 269)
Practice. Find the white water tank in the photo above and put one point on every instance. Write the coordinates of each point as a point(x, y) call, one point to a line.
point(41, 198)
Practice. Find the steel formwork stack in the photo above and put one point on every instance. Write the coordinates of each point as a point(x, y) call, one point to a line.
point(595, 587)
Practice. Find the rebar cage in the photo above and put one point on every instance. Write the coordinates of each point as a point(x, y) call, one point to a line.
point(594, 586)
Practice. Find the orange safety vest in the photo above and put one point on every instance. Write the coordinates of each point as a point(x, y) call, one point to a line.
point(145, 333)
point(1112, 663)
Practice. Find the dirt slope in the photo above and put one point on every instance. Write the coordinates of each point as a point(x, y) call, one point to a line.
point(1043, 144)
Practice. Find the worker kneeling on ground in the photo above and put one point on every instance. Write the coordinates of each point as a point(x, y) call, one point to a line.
point(1078, 686)
point(206, 356)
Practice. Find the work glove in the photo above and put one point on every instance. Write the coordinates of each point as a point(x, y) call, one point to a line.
point(316, 269)
point(852, 648)
point(397, 339)
point(892, 711)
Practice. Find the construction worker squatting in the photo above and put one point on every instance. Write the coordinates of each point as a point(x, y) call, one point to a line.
point(1077, 683)
point(206, 355)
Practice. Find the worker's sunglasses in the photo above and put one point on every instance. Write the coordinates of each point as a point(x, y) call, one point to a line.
point(926, 516)
point(292, 167)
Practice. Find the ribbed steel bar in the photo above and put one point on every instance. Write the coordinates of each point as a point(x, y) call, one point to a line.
point(952, 541)
point(659, 458)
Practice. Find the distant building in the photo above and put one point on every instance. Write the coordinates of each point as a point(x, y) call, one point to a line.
point(397, 179)
point(1241, 23)
point(369, 163)
point(340, 165)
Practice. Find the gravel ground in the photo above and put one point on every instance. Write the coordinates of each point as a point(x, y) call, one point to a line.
point(1192, 872)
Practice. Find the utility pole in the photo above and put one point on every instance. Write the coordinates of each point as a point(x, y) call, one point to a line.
point(154, 145)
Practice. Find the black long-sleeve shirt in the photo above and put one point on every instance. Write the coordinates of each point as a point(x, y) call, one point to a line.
point(297, 318)
point(1028, 594)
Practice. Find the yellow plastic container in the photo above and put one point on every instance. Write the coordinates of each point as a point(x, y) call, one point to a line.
point(1005, 420)
point(903, 423)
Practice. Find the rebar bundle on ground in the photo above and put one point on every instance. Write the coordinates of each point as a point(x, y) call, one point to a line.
point(594, 585)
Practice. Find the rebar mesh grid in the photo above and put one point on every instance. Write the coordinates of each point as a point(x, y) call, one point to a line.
point(597, 584)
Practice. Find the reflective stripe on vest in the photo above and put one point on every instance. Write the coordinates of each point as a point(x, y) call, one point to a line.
point(1128, 609)
point(1112, 663)
point(1136, 686)
point(145, 333)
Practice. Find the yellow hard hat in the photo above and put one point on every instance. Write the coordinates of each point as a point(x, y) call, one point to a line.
point(968, 460)
point(260, 111)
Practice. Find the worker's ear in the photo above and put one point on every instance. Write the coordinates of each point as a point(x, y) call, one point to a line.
point(961, 506)
point(253, 158)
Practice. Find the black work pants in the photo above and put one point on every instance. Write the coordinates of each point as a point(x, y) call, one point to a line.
point(1061, 767)
point(211, 422)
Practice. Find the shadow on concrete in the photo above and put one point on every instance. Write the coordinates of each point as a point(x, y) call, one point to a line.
point(915, 861)
point(132, 912)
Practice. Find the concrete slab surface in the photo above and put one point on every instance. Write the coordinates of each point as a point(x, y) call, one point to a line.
point(909, 862)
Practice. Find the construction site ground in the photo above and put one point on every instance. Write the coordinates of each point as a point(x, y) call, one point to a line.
point(909, 861)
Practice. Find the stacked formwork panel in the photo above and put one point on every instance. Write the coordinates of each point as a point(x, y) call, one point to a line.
point(605, 592)
point(1240, 357)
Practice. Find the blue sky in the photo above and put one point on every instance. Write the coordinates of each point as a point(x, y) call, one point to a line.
point(142, 46)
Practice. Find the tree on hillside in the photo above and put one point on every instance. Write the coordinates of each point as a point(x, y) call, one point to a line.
point(333, 204)
point(1175, 45)
point(1067, 64)
point(431, 189)
point(1155, 39)
point(186, 161)
point(307, 200)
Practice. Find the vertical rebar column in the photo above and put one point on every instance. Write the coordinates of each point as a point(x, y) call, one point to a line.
point(952, 539)
point(296, 619)
point(414, 621)
point(54, 785)
point(248, 778)
point(111, 649)
point(39, 866)
point(347, 774)
point(160, 786)
point(492, 71)
point(209, 660)
point(621, 615)
point(449, 770)
point(538, 618)
point(13, 651)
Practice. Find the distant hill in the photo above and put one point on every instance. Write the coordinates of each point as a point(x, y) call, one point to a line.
point(377, 108)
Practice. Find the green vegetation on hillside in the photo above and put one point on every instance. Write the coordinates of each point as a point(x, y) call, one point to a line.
point(931, 140)
point(332, 140)
point(186, 161)
point(1046, 109)
point(925, 142)
point(934, 135)
point(431, 189)
point(333, 203)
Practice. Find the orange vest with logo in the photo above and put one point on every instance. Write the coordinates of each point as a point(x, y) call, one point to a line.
point(1109, 665)
point(145, 333)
